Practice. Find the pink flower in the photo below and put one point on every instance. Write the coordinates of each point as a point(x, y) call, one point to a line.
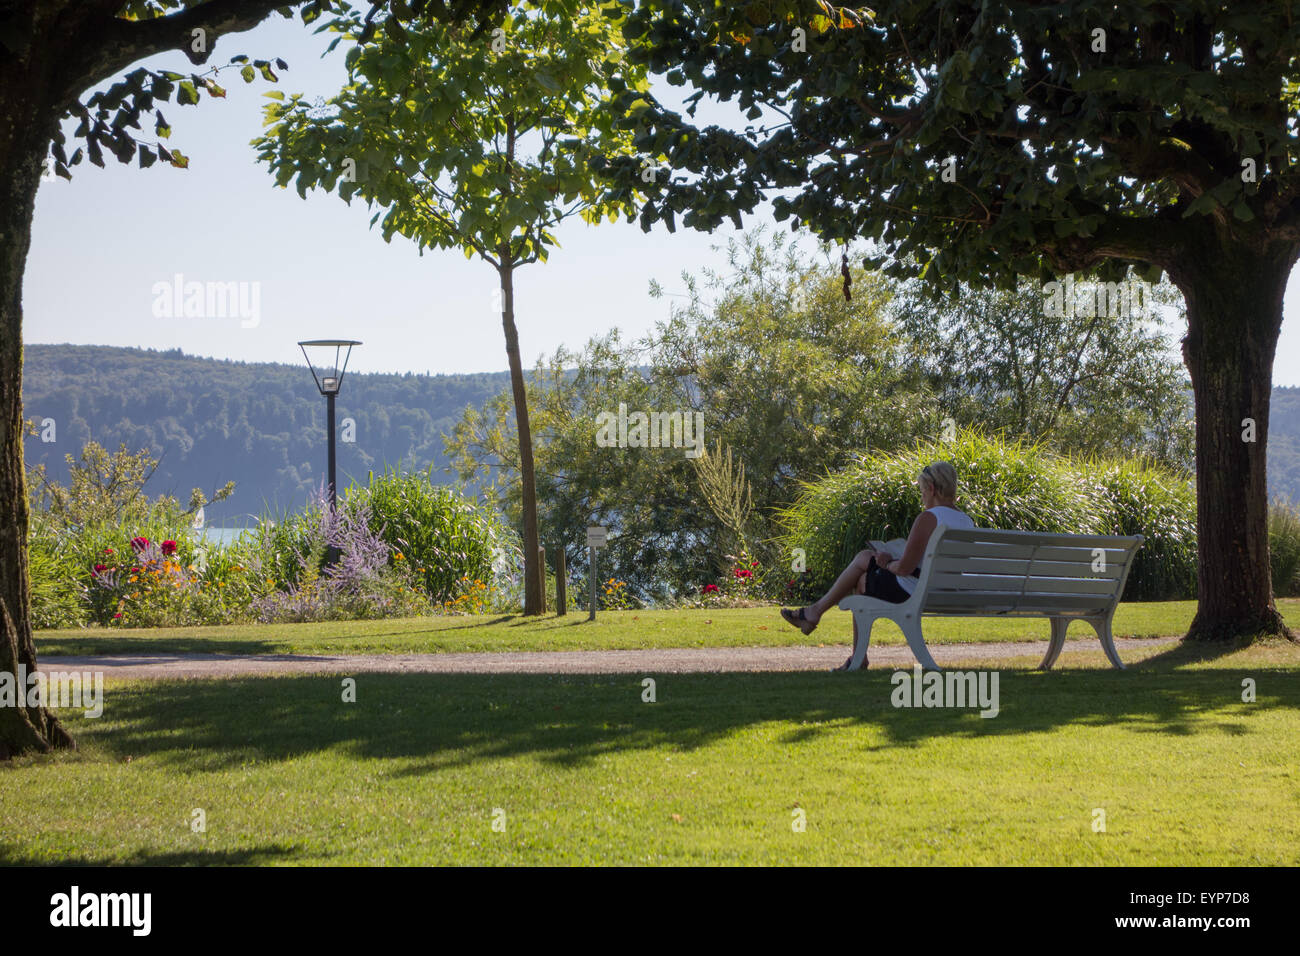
point(139, 544)
point(169, 548)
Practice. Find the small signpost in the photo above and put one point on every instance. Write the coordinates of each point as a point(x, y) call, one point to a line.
point(596, 538)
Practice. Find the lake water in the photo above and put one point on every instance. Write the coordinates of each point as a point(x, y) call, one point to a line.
point(223, 536)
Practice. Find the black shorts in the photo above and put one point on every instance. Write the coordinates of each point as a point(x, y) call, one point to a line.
point(884, 584)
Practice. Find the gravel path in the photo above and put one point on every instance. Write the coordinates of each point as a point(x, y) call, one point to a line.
point(653, 661)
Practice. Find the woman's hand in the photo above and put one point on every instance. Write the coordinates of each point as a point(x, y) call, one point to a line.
point(883, 559)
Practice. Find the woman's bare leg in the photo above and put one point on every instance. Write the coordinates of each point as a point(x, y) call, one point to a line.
point(844, 585)
point(859, 588)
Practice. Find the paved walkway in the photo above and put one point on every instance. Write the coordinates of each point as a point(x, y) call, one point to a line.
point(652, 661)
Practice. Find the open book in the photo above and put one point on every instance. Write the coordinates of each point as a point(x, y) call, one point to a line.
point(893, 548)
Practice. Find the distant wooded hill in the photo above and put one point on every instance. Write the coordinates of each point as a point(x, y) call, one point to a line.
point(1284, 444)
point(263, 425)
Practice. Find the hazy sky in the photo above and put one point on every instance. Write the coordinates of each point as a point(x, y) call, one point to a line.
point(102, 243)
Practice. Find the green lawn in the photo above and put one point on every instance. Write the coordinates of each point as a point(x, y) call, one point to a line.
point(711, 773)
point(612, 629)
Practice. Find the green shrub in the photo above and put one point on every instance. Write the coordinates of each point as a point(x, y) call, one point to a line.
point(1138, 498)
point(1000, 485)
point(56, 602)
point(444, 537)
point(1284, 548)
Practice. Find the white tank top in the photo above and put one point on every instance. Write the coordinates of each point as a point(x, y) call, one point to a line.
point(946, 516)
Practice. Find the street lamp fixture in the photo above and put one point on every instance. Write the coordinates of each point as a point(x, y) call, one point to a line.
point(328, 374)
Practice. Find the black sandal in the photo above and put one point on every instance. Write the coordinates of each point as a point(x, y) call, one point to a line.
point(798, 620)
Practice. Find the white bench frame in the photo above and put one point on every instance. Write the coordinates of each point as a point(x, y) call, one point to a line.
point(978, 572)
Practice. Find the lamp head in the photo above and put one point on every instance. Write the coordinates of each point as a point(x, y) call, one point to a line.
point(328, 372)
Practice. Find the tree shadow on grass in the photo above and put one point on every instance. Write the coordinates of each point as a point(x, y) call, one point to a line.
point(1186, 653)
point(13, 854)
point(436, 721)
point(151, 646)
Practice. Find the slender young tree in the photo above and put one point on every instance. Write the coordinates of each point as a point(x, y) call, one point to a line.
point(978, 141)
point(478, 144)
point(51, 53)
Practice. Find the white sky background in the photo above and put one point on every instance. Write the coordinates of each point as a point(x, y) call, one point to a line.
point(101, 242)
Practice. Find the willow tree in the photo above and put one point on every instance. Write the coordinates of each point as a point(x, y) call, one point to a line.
point(477, 144)
point(52, 53)
point(975, 142)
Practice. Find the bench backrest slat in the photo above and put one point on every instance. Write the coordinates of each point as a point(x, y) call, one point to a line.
point(1017, 583)
point(1005, 571)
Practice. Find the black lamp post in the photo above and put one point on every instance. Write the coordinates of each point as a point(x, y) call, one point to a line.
point(328, 379)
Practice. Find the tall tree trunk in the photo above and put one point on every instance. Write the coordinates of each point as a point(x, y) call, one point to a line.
point(1234, 314)
point(24, 138)
point(532, 572)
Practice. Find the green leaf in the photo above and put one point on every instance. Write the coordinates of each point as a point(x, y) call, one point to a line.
point(248, 73)
point(187, 95)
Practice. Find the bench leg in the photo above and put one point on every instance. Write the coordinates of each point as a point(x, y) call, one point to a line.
point(1059, 626)
point(1108, 643)
point(862, 622)
point(911, 627)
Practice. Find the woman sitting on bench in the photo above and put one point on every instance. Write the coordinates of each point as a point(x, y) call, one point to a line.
point(876, 573)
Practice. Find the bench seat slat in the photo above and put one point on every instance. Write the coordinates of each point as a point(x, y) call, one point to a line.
point(1072, 613)
point(995, 602)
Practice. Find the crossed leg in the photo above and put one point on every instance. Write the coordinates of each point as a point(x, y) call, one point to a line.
point(852, 580)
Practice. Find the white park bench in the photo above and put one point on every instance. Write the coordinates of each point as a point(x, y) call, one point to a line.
point(980, 572)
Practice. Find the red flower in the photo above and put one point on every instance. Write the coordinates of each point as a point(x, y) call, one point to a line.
point(169, 548)
point(139, 544)
point(100, 568)
point(710, 588)
point(108, 551)
point(754, 565)
point(117, 615)
point(743, 573)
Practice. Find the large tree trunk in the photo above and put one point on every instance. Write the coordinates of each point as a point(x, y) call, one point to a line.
point(24, 138)
point(1234, 314)
point(532, 571)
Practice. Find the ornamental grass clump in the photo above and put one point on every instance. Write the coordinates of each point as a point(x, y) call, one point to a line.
point(1000, 484)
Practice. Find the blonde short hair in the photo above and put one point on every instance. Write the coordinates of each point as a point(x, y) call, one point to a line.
point(942, 477)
